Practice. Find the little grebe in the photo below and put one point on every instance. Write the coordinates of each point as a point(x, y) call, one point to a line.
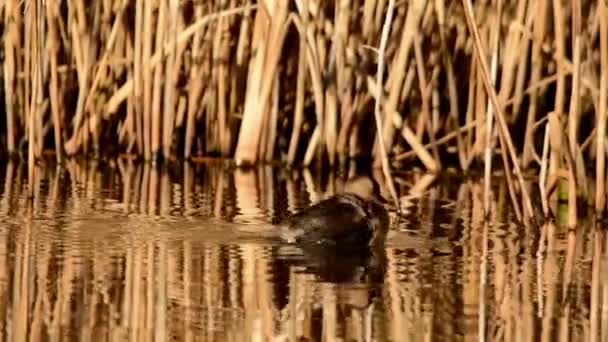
point(353, 218)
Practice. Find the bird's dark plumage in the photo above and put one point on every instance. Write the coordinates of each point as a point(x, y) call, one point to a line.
point(344, 220)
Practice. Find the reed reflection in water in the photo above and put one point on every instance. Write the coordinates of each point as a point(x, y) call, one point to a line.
point(130, 252)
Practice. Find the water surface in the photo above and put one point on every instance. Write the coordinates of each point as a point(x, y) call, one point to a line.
point(122, 251)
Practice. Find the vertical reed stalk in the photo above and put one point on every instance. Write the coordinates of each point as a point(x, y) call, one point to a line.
point(146, 41)
point(11, 42)
point(195, 87)
point(221, 53)
point(556, 123)
point(298, 119)
point(451, 80)
point(410, 29)
point(158, 80)
point(499, 113)
point(573, 115)
point(490, 113)
point(600, 172)
point(537, 64)
point(383, 155)
point(171, 72)
point(268, 40)
point(138, 72)
point(274, 117)
point(53, 51)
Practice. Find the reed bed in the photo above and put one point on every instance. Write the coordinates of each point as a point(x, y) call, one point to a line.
point(452, 84)
point(132, 251)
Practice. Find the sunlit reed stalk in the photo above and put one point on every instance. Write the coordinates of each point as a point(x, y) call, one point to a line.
point(385, 164)
point(600, 186)
point(150, 80)
point(499, 113)
point(495, 36)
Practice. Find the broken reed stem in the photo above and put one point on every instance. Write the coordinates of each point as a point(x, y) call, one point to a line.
point(499, 113)
point(383, 40)
point(438, 142)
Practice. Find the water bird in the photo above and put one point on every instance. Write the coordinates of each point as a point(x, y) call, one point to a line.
point(351, 219)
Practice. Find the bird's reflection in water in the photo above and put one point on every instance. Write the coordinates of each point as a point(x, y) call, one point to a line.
point(357, 271)
point(336, 264)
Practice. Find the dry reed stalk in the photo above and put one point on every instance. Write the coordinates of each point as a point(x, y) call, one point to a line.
point(481, 108)
point(537, 64)
point(221, 53)
point(425, 114)
point(33, 19)
point(556, 124)
point(298, 119)
point(331, 122)
point(522, 64)
point(447, 57)
point(147, 80)
point(340, 43)
point(443, 140)
point(138, 72)
point(28, 66)
point(499, 113)
point(542, 183)
point(172, 71)
point(81, 41)
point(600, 166)
point(53, 51)
point(510, 184)
point(12, 22)
point(274, 117)
point(379, 73)
point(510, 56)
point(471, 112)
point(347, 121)
point(196, 85)
point(573, 115)
point(408, 83)
point(313, 63)
point(489, 116)
point(103, 63)
point(399, 67)
point(158, 72)
point(267, 42)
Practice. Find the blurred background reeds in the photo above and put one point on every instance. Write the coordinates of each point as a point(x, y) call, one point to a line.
point(462, 83)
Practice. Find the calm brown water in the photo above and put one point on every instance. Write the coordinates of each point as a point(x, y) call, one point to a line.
point(126, 252)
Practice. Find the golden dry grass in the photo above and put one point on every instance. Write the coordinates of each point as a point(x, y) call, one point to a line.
point(459, 84)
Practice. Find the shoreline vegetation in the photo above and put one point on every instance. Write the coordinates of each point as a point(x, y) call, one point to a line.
point(519, 86)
